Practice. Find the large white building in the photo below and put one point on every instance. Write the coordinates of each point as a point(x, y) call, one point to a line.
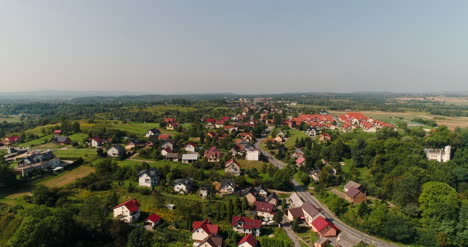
point(439, 154)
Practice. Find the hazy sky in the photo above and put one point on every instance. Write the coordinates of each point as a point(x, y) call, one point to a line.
point(250, 46)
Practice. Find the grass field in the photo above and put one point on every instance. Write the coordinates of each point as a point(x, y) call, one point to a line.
point(38, 141)
point(248, 164)
point(10, 119)
point(68, 177)
point(75, 154)
point(293, 135)
point(450, 122)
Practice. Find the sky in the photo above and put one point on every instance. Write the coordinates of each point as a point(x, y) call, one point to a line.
point(239, 46)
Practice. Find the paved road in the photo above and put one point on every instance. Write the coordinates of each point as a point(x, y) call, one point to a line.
point(355, 234)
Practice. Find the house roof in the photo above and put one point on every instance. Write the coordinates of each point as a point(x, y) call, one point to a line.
point(13, 138)
point(164, 136)
point(190, 144)
point(172, 155)
point(60, 139)
point(206, 226)
point(231, 161)
point(297, 213)
point(57, 131)
point(352, 184)
point(155, 131)
point(153, 218)
point(152, 172)
point(300, 160)
point(310, 209)
point(228, 182)
point(248, 222)
point(296, 200)
point(186, 181)
point(264, 207)
point(353, 192)
point(97, 139)
point(132, 205)
point(249, 238)
point(118, 147)
point(192, 156)
point(320, 223)
point(213, 241)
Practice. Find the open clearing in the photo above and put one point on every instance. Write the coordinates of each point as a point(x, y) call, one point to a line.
point(441, 99)
point(450, 122)
point(68, 177)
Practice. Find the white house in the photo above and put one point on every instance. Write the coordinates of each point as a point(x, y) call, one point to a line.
point(246, 225)
point(152, 220)
point(148, 178)
point(128, 211)
point(183, 186)
point(97, 142)
point(202, 230)
point(115, 151)
point(190, 147)
point(167, 144)
point(439, 154)
point(152, 132)
point(227, 186)
point(252, 154)
point(232, 167)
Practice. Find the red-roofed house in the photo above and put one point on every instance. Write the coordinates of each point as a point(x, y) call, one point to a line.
point(170, 120)
point(57, 132)
point(219, 123)
point(213, 154)
point(300, 161)
point(265, 210)
point(355, 195)
point(97, 142)
point(190, 147)
point(232, 167)
point(171, 125)
point(11, 139)
point(325, 137)
point(246, 225)
point(164, 137)
point(324, 227)
point(152, 220)
point(248, 241)
point(203, 229)
point(225, 118)
point(128, 211)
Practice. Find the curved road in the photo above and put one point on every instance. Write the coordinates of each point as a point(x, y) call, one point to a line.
point(305, 195)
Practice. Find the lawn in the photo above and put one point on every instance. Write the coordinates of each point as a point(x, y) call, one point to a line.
point(10, 119)
point(293, 135)
point(248, 164)
point(68, 177)
point(86, 154)
point(36, 142)
point(79, 137)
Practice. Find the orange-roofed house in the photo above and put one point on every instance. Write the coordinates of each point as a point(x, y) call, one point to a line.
point(324, 228)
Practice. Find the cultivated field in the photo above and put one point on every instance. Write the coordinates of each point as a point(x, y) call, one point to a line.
point(447, 100)
point(68, 177)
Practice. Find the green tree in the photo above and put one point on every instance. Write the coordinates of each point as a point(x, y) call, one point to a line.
point(140, 237)
point(438, 202)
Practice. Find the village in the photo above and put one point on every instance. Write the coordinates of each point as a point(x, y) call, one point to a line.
point(237, 153)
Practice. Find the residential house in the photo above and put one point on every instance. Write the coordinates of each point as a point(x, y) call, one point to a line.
point(37, 161)
point(172, 157)
point(171, 126)
point(354, 195)
point(152, 132)
point(307, 212)
point(134, 144)
point(252, 154)
point(210, 125)
point(167, 144)
point(189, 158)
point(351, 184)
point(183, 186)
point(190, 147)
point(170, 120)
point(439, 154)
point(11, 140)
point(232, 167)
point(212, 135)
point(295, 201)
point(164, 137)
point(273, 199)
point(115, 151)
point(166, 151)
point(97, 142)
point(61, 140)
point(246, 225)
point(203, 192)
point(248, 241)
point(228, 186)
point(325, 137)
point(213, 154)
point(297, 153)
point(246, 136)
point(128, 211)
point(149, 177)
point(322, 242)
point(202, 230)
point(211, 241)
point(57, 132)
point(152, 220)
point(300, 161)
point(265, 210)
point(219, 124)
point(230, 128)
point(324, 228)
